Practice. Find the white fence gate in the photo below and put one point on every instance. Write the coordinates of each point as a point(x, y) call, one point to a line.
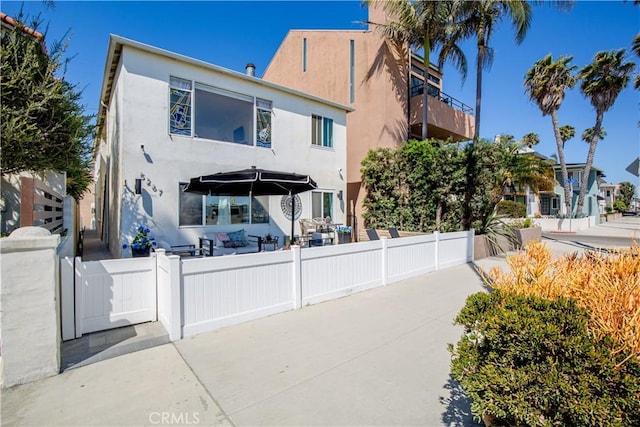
point(99, 295)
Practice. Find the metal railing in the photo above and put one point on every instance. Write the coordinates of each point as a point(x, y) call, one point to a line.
point(438, 94)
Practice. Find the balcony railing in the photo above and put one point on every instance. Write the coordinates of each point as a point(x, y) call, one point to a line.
point(443, 97)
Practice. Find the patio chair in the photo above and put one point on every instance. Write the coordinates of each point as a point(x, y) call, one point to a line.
point(393, 232)
point(372, 234)
point(307, 227)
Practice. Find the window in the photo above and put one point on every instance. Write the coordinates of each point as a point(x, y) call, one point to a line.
point(352, 65)
point(190, 209)
point(263, 123)
point(434, 79)
point(321, 204)
point(321, 131)
point(223, 115)
point(221, 209)
point(417, 85)
point(554, 203)
point(179, 106)
point(218, 114)
point(304, 55)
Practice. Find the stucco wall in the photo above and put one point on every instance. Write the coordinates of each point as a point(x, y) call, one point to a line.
point(143, 86)
point(30, 315)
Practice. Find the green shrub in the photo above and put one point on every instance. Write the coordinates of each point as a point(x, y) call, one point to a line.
point(609, 209)
point(511, 209)
point(527, 361)
point(619, 205)
point(522, 223)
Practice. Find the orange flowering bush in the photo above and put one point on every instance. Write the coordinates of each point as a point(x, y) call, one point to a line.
point(606, 285)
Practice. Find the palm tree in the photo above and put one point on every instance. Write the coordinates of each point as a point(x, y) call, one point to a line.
point(602, 82)
point(422, 24)
point(566, 133)
point(545, 84)
point(587, 135)
point(479, 18)
point(531, 139)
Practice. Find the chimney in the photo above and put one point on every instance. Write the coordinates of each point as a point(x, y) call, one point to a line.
point(251, 69)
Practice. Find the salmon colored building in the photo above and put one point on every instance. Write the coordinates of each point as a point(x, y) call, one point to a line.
point(361, 69)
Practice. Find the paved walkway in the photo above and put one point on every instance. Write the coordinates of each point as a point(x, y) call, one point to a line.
point(378, 357)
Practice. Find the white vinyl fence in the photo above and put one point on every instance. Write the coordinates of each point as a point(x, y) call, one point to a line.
point(99, 295)
point(195, 295)
point(221, 291)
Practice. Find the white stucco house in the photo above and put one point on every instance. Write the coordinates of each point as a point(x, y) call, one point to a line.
point(165, 118)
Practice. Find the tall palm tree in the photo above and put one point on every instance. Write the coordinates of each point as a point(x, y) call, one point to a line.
point(545, 84)
point(601, 83)
point(479, 18)
point(422, 24)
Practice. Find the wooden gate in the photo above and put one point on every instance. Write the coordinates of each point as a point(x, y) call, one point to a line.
point(100, 295)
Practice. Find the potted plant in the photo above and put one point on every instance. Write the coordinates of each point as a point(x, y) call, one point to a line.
point(142, 243)
point(268, 238)
point(344, 234)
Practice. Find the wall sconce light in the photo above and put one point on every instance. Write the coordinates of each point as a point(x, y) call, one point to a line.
point(340, 195)
point(142, 147)
point(138, 186)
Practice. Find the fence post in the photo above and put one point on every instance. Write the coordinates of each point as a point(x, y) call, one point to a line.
point(385, 259)
point(175, 296)
point(472, 243)
point(77, 266)
point(297, 276)
point(436, 252)
point(67, 298)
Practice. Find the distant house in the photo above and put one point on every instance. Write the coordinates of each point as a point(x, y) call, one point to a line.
point(591, 206)
point(166, 118)
point(361, 69)
point(608, 195)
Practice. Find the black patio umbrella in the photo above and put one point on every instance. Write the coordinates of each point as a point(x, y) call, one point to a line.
point(254, 181)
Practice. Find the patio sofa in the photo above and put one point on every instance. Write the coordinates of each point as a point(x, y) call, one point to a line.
point(230, 243)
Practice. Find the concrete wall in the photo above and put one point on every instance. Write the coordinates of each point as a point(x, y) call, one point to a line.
point(30, 312)
point(138, 115)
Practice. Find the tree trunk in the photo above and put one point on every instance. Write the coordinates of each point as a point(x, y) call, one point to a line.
point(480, 61)
point(563, 165)
point(590, 155)
point(438, 215)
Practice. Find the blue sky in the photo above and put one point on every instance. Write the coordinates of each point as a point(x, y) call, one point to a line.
point(233, 33)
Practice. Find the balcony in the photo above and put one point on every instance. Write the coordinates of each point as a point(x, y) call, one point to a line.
point(447, 116)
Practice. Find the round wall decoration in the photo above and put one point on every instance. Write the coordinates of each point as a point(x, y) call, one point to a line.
point(285, 204)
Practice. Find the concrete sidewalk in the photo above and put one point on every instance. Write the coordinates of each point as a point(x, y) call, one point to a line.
point(378, 357)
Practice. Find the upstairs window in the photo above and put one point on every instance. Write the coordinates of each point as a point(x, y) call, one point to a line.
point(223, 115)
point(263, 123)
point(180, 106)
point(321, 131)
point(218, 114)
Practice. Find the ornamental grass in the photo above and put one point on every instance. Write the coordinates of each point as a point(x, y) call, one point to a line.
point(605, 284)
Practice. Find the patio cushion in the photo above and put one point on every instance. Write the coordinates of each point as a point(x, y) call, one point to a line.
point(238, 238)
point(222, 239)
